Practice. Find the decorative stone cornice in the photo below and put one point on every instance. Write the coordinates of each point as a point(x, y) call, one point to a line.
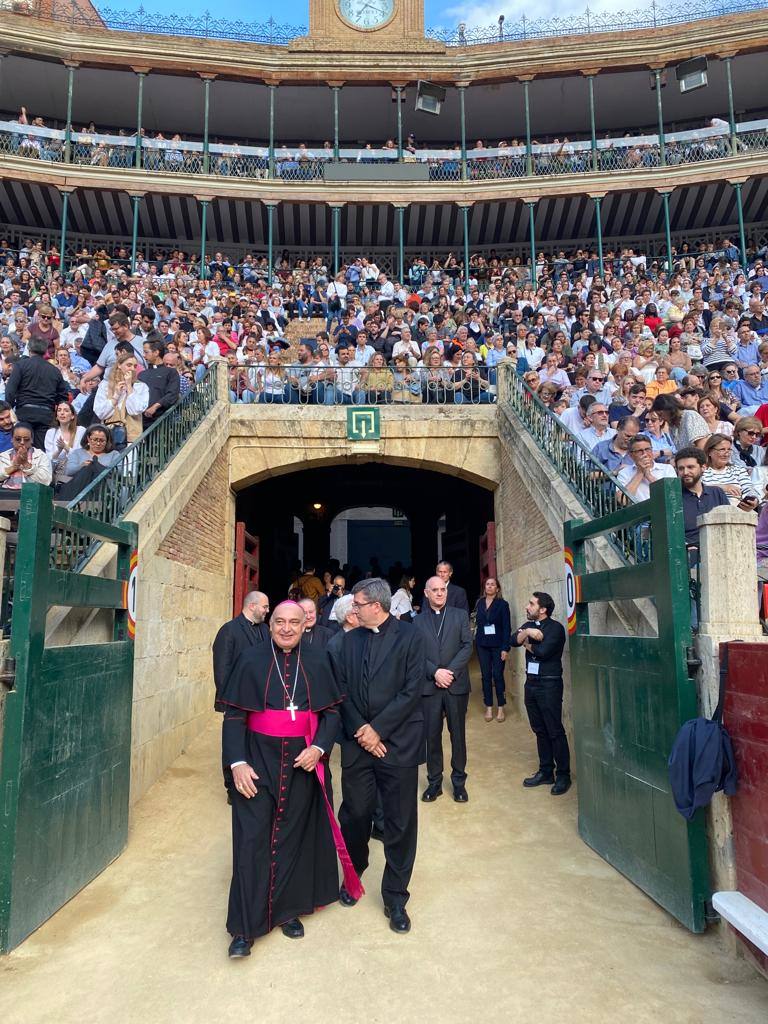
point(521, 59)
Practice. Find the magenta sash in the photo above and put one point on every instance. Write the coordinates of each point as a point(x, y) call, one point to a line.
point(280, 723)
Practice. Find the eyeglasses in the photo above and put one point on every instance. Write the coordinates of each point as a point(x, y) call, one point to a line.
point(362, 604)
point(751, 433)
point(715, 376)
point(599, 379)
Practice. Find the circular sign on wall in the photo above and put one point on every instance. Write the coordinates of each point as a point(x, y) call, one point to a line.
point(129, 594)
point(572, 590)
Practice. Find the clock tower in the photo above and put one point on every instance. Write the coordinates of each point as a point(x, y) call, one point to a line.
point(384, 26)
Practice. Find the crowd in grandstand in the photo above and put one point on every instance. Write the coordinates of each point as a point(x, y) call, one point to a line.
point(638, 356)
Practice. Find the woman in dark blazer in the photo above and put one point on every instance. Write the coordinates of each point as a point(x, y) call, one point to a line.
point(493, 640)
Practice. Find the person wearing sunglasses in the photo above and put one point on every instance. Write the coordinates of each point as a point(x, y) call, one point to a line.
point(46, 328)
point(747, 449)
point(596, 385)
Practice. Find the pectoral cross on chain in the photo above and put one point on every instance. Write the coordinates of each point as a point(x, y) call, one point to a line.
point(293, 708)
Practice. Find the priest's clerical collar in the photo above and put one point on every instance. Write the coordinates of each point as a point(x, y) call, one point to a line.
point(382, 626)
point(437, 611)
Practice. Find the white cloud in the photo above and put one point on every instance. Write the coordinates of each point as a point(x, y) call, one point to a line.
point(486, 14)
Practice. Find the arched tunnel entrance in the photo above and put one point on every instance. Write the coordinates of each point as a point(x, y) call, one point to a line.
point(372, 516)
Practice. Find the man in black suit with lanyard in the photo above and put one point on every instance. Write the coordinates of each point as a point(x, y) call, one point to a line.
point(448, 646)
point(381, 669)
point(457, 596)
point(239, 634)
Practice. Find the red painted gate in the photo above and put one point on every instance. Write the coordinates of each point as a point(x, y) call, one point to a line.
point(246, 566)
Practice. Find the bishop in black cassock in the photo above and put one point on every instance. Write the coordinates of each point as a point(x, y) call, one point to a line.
point(284, 857)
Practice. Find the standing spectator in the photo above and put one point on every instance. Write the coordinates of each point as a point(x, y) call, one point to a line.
point(6, 427)
point(34, 389)
point(163, 382)
point(698, 497)
point(402, 599)
point(544, 640)
point(122, 398)
point(63, 438)
point(684, 426)
point(493, 640)
point(45, 329)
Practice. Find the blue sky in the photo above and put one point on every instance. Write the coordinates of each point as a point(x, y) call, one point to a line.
point(446, 13)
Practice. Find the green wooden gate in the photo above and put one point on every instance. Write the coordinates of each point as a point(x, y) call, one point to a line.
point(630, 696)
point(65, 766)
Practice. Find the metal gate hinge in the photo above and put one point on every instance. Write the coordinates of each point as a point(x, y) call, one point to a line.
point(8, 672)
point(693, 661)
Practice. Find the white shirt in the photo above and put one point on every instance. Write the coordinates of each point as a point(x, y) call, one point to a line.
point(660, 471)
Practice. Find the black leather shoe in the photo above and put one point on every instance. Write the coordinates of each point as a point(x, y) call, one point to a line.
point(539, 779)
point(293, 929)
point(431, 793)
point(240, 947)
point(345, 898)
point(562, 785)
point(377, 833)
point(460, 795)
point(398, 919)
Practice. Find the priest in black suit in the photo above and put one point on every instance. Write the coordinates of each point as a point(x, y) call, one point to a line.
point(448, 645)
point(381, 670)
point(238, 635)
point(457, 596)
point(315, 635)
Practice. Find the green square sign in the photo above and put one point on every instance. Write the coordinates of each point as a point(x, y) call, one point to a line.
point(363, 424)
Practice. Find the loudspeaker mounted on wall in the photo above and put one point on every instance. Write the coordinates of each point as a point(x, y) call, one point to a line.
point(429, 97)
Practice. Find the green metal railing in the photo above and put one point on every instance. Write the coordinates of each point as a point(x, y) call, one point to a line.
point(597, 490)
point(118, 488)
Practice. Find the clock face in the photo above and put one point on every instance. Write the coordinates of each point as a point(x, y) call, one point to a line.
point(366, 14)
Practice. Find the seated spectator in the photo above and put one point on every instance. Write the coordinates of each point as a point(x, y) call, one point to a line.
point(614, 452)
point(406, 387)
point(631, 402)
point(577, 419)
point(643, 470)
point(598, 429)
point(698, 497)
point(6, 427)
point(661, 384)
point(731, 477)
point(377, 381)
point(709, 409)
point(684, 426)
point(84, 463)
point(436, 380)
point(751, 391)
point(470, 382)
point(62, 438)
point(595, 385)
point(747, 433)
point(122, 398)
point(23, 463)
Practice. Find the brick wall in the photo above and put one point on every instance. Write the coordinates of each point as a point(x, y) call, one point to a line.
point(526, 534)
point(197, 538)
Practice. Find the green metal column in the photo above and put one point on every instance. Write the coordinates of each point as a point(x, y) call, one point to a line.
point(206, 112)
point(399, 94)
point(64, 212)
point(731, 108)
point(270, 241)
point(667, 229)
point(528, 150)
point(68, 127)
point(592, 130)
point(271, 170)
point(135, 200)
point(335, 91)
point(139, 115)
point(465, 224)
point(203, 233)
point(463, 119)
point(401, 242)
point(336, 229)
point(660, 114)
point(532, 228)
point(737, 186)
point(599, 227)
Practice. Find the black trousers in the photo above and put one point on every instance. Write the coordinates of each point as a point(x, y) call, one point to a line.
point(39, 418)
point(397, 787)
point(453, 707)
point(544, 704)
point(492, 671)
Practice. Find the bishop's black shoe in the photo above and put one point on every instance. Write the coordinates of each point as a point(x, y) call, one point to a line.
point(460, 795)
point(240, 947)
point(432, 792)
point(398, 919)
point(346, 899)
point(562, 785)
point(539, 779)
point(293, 929)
